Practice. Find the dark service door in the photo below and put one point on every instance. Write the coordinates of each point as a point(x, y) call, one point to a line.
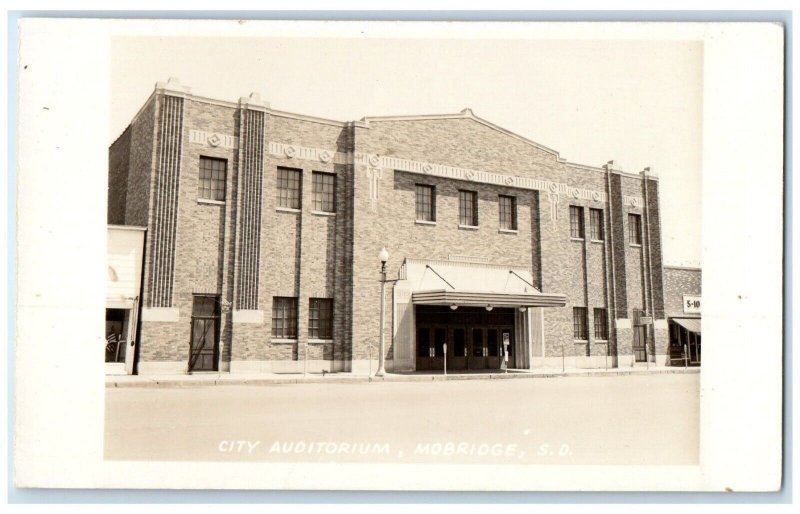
point(205, 333)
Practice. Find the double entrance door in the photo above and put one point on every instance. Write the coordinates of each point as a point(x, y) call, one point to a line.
point(466, 347)
point(481, 345)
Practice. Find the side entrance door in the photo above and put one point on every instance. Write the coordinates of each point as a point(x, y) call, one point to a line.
point(204, 350)
point(430, 347)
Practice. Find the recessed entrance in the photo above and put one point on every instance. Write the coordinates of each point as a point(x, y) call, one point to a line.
point(474, 337)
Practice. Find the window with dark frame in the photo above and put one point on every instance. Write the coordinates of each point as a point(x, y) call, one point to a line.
point(579, 323)
point(468, 208)
point(596, 224)
point(320, 318)
point(600, 325)
point(324, 191)
point(211, 185)
point(634, 229)
point(576, 222)
point(289, 188)
point(508, 212)
point(425, 202)
point(284, 317)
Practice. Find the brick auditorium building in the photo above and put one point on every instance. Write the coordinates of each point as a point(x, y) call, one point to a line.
point(264, 230)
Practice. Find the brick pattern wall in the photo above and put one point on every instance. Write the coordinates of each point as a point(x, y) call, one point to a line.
point(165, 202)
point(655, 249)
point(249, 224)
point(678, 282)
point(118, 166)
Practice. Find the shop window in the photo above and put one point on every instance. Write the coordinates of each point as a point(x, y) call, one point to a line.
point(425, 202)
point(320, 318)
point(289, 181)
point(575, 222)
point(468, 208)
point(324, 191)
point(284, 317)
point(212, 179)
point(600, 325)
point(508, 212)
point(579, 323)
point(635, 229)
point(596, 224)
point(115, 335)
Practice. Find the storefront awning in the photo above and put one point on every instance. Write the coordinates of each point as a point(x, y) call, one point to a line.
point(484, 298)
point(690, 324)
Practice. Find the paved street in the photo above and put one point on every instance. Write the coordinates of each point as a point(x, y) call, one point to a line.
point(637, 419)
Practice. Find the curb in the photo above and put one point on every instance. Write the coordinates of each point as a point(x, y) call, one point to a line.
point(173, 383)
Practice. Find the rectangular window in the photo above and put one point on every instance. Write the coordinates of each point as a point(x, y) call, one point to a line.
point(600, 325)
point(212, 179)
point(579, 323)
point(289, 188)
point(320, 318)
point(508, 212)
point(596, 224)
point(284, 317)
point(468, 208)
point(426, 202)
point(576, 222)
point(324, 191)
point(635, 229)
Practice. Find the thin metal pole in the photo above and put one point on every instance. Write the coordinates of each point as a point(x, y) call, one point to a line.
point(563, 368)
point(305, 357)
point(381, 371)
point(445, 359)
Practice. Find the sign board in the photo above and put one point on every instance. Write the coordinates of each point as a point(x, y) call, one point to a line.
point(691, 304)
point(646, 320)
point(506, 338)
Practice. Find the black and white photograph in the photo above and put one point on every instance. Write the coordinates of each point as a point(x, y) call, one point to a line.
point(395, 256)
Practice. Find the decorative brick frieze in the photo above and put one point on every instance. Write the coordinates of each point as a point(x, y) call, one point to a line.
point(213, 139)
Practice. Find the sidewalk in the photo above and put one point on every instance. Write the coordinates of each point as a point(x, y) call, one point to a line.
point(211, 379)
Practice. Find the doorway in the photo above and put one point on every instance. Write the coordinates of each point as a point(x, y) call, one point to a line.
point(204, 350)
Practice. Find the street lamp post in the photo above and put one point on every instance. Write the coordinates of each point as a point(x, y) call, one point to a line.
point(384, 256)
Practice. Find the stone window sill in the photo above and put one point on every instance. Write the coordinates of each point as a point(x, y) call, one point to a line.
point(598, 241)
point(601, 341)
point(508, 231)
point(320, 341)
point(424, 222)
point(287, 209)
point(581, 341)
point(323, 213)
point(636, 245)
point(278, 340)
point(210, 202)
point(468, 227)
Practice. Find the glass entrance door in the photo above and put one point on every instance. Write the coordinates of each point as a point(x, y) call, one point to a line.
point(477, 349)
point(457, 349)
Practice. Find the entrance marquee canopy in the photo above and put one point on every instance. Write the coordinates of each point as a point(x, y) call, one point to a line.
point(475, 284)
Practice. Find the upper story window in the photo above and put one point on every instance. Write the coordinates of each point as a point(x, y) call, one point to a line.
point(596, 224)
point(289, 181)
point(324, 191)
point(468, 208)
point(508, 212)
point(212, 179)
point(426, 202)
point(634, 229)
point(320, 318)
point(284, 317)
point(576, 222)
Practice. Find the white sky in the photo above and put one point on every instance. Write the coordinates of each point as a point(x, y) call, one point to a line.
point(637, 102)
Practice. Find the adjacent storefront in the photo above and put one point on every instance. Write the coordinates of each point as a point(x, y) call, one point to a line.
point(124, 272)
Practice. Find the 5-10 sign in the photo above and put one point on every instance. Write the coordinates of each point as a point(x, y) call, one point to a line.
point(691, 304)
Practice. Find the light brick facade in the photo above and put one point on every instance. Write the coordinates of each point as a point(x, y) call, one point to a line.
point(247, 249)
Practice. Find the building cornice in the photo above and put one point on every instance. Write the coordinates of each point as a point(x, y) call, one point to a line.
point(683, 268)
